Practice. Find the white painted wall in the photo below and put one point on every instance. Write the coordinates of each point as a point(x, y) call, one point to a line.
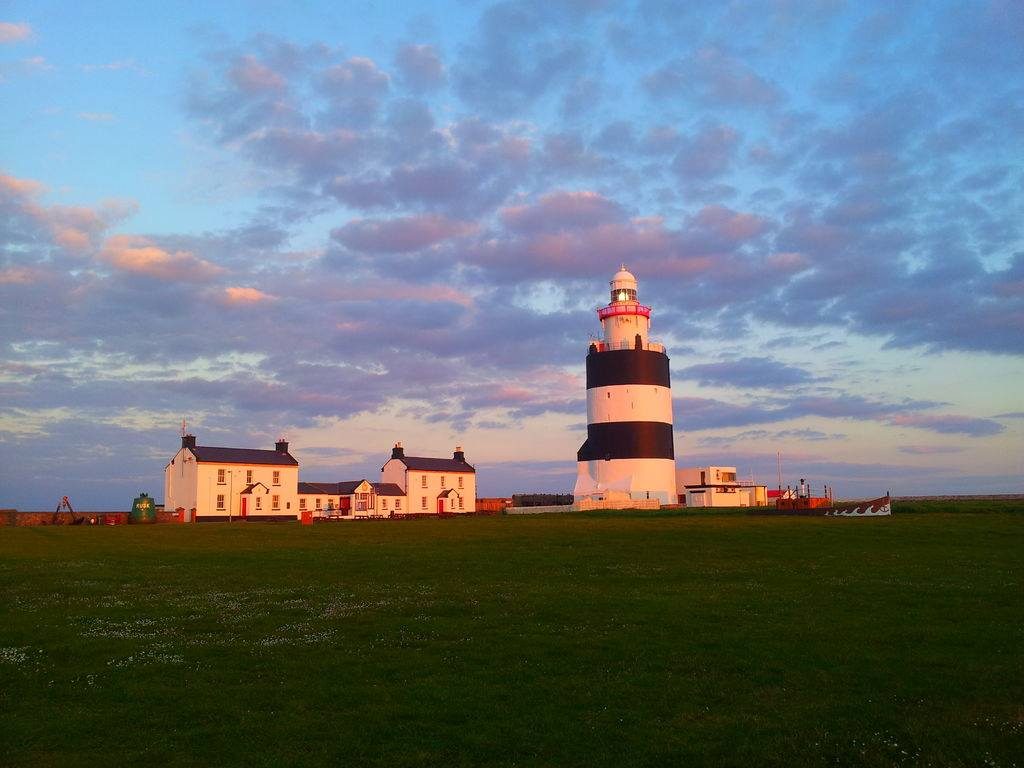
point(640, 478)
point(236, 477)
point(180, 482)
point(634, 402)
point(423, 484)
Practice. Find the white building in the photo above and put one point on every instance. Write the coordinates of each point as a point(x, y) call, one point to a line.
point(221, 484)
point(629, 453)
point(431, 485)
point(351, 498)
point(717, 487)
point(213, 483)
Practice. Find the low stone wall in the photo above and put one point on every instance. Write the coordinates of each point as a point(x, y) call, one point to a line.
point(22, 519)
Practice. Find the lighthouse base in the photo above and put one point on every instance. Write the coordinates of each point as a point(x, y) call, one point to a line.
point(618, 481)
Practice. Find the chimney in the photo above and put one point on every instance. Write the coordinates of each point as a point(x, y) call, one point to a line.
point(459, 455)
point(188, 441)
point(398, 452)
point(281, 446)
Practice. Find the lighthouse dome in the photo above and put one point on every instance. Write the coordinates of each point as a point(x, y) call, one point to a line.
point(624, 278)
point(623, 286)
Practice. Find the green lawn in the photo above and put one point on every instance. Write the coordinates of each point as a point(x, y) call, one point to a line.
point(584, 640)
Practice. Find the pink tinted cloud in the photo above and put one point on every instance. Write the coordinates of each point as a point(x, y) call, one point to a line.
point(359, 76)
point(140, 256)
point(19, 276)
point(729, 224)
point(74, 228)
point(14, 31)
point(237, 295)
point(931, 450)
point(421, 66)
point(400, 235)
point(562, 210)
point(252, 76)
point(948, 423)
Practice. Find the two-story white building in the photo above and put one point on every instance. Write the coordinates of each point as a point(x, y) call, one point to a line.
point(432, 486)
point(212, 483)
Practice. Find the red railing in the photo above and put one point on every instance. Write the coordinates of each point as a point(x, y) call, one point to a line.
point(623, 309)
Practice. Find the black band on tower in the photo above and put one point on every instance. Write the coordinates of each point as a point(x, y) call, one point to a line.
point(627, 366)
point(627, 440)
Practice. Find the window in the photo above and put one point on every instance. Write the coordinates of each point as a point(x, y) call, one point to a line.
point(277, 477)
point(302, 503)
point(220, 476)
point(275, 502)
point(319, 501)
point(259, 502)
point(398, 503)
point(384, 503)
point(442, 481)
point(423, 481)
point(423, 502)
point(248, 477)
point(220, 500)
point(460, 502)
point(460, 481)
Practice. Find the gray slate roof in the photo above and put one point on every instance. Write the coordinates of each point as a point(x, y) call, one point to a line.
point(213, 455)
point(427, 464)
point(347, 487)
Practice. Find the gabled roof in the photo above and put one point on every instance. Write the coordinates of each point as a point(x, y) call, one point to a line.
point(435, 465)
point(388, 489)
point(214, 455)
point(253, 486)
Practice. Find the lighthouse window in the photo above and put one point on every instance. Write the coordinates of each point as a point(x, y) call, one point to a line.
point(623, 294)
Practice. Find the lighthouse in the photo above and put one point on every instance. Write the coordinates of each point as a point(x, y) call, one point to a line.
point(628, 454)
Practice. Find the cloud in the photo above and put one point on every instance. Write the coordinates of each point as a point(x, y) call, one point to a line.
point(253, 76)
point(747, 372)
point(400, 235)
point(75, 229)
point(707, 153)
point(140, 256)
point(948, 424)
point(420, 66)
point(562, 210)
point(714, 78)
point(14, 31)
point(931, 450)
point(236, 295)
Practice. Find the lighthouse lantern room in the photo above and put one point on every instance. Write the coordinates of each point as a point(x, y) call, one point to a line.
point(628, 454)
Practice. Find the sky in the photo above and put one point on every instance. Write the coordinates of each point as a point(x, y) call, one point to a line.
point(356, 223)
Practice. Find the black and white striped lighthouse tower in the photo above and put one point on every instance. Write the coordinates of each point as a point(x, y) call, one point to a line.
point(628, 453)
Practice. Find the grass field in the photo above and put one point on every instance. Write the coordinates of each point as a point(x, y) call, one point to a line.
point(604, 639)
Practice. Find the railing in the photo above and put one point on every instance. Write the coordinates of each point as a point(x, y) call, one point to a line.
point(604, 346)
point(623, 309)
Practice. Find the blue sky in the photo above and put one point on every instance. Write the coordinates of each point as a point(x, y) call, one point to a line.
point(359, 223)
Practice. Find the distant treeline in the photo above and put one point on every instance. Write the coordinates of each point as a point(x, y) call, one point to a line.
point(541, 499)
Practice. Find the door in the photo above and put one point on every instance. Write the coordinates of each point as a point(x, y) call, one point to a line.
point(244, 506)
point(440, 505)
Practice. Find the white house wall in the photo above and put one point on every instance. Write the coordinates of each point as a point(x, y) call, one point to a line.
point(235, 481)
